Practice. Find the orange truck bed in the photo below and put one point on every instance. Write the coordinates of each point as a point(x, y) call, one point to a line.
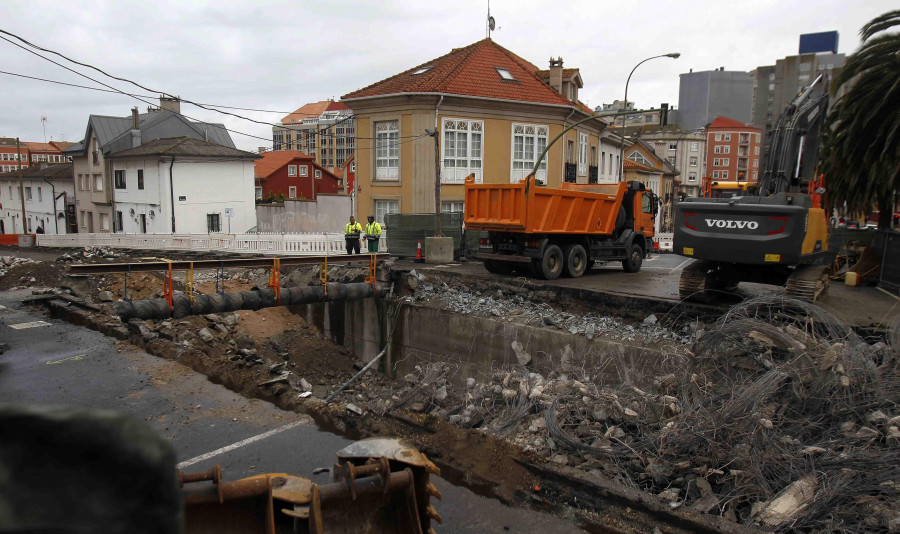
point(574, 209)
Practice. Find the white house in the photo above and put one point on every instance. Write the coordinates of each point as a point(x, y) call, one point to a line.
point(47, 189)
point(210, 186)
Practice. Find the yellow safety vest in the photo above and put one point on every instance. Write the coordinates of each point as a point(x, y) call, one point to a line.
point(373, 229)
point(354, 228)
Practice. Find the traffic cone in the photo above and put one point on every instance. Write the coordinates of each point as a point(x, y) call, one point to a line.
point(419, 257)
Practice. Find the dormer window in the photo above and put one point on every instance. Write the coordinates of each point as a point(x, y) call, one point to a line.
point(422, 70)
point(505, 74)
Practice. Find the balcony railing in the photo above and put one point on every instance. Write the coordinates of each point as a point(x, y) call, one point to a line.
point(593, 174)
point(571, 170)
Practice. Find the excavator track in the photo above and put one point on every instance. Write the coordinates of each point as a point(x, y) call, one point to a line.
point(692, 284)
point(807, 282)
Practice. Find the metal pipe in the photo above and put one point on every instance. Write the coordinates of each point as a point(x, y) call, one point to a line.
point(183, 305)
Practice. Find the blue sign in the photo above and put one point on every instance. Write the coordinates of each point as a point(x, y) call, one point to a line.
point(811, 43)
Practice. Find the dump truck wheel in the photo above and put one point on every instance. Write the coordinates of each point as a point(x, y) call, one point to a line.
point(576, 261)
point(551, 265)
point(632, 263)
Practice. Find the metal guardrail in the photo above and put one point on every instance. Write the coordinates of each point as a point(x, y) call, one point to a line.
point(312, 244)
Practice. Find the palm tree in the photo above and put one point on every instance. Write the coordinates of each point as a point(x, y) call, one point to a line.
point(861, 152)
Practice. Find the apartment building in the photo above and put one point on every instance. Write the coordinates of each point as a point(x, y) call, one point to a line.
point(493, 113)
point(325, 130)
point(704, 95)
point(732, 150)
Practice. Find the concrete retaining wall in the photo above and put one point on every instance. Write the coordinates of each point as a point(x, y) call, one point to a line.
point(328, 213)
point(480, 345)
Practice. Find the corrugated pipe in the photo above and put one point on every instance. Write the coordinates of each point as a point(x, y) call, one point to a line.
point(255, 299)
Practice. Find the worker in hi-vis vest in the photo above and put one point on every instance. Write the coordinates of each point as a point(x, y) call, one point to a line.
point(373, 234)
point(351, 235)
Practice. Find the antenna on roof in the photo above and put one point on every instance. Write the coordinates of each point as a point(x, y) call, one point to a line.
point(44, 126)
point(490, 22)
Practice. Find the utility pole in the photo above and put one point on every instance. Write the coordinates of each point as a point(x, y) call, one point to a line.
point(21, 187)
point(437, 184)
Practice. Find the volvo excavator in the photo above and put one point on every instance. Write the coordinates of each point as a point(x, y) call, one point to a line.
point(776, 233)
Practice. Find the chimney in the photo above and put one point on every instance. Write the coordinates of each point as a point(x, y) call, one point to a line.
point(172, 104)
point(135, 128)
point(556, 72)
point(262, 150)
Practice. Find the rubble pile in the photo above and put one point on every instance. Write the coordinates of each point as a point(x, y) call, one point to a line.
point(781, 418)
point(10, 262)
point(89, 252)
point(530, 307)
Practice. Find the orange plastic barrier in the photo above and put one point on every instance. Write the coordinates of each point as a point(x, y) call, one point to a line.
point(9, 239)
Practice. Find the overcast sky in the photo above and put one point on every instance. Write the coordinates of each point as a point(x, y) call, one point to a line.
point(280, 55)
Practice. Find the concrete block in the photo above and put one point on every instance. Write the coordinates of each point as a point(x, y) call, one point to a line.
point(438, 250)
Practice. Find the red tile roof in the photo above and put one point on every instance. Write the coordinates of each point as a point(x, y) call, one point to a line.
point(631, 164)
point(313, 109)
point(273, 160)
point(471, 71)
point(725, 122)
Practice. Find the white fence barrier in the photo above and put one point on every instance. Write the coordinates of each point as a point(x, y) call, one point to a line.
point(266, 243)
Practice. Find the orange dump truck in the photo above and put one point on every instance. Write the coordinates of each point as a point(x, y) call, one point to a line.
point(552, 232)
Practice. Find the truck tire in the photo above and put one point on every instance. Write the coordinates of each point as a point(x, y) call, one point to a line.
point(576, 261)
point(551, 264)
point(632, 263)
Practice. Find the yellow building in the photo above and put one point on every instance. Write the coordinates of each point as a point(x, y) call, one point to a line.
point(494, 113)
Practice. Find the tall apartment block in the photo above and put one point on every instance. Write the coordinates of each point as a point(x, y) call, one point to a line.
point(705, 95)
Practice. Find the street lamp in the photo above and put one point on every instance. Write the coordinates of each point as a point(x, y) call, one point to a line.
point(673, 55)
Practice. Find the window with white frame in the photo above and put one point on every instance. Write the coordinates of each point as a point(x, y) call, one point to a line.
point(716, 162)
point(292, 192)
point(757, 138)
point(528, 142)
point(638, 157)
point(724, 175)
point(715, 174)
point(718, 137)
point(462, 150)
point(98, 182)
point(259, 193)
point(673, 145)
point(756, 151)
point(119, 179)
point(726, 137)
point(27, 193)
point(304, 170)
point(717, 149)
point(695, 146)
point(292, 170)
point(318, 174)
point(582, 153)
point(384, 207)
point(452, 206)
point(726, 162)
point(756, 163)
point(692, 161)
point(692, 177)
point(726, 149)
point(387, 150)
point(755, 175)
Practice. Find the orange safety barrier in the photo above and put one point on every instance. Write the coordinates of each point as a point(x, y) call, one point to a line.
point(11, 239)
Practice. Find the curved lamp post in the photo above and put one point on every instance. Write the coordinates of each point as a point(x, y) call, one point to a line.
point(673, 55)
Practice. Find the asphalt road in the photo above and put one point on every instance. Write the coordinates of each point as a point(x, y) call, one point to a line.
point(58, 364)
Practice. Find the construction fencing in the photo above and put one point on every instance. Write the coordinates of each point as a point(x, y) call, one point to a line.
point(312, 244)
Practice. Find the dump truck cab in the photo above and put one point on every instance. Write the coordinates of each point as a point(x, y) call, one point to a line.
point(550, 232)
